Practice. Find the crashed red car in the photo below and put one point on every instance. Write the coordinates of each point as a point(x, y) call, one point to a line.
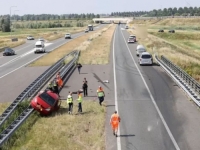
point(46, 102)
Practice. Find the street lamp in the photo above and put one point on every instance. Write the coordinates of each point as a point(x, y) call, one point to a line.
point(10, 17)
point(15, 16)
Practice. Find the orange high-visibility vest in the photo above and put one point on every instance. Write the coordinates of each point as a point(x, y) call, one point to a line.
point(115, 119)
point(60, 82)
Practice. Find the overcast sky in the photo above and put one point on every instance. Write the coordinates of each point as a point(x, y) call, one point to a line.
point(88, 6)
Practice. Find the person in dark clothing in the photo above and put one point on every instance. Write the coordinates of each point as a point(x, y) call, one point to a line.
point(85, 87)
point(79, 66)
point(55, 87)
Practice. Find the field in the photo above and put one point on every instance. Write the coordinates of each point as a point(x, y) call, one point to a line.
point(47, 33)
point(182, 47)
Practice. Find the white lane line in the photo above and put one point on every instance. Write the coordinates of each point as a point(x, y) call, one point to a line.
point(115, 86)
point(15, 59)
point(19, 49)
point(151, 96)
point(39, 56)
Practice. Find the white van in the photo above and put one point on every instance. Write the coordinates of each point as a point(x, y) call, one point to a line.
point(140, 49)
point(39, 47)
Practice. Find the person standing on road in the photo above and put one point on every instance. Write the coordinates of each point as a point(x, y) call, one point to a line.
point(70, 102)
point(100, 94)
point(114, 122)
point(85, 87)
point(79, 102)
point(55, 87)
point(79, 66)
point(50, 86)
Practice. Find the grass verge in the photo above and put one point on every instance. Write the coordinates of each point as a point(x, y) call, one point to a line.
point(98, 48)
point(63, 131)
point(58, 53)
point(48, 34)
point(187, 60)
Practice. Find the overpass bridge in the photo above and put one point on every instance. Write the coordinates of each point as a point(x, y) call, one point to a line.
point(112, 20)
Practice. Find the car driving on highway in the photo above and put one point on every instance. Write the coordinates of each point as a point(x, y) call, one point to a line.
point(39, 47)
point(140, 49)
point(30, 37)
point(126, 27)
point(68, 36)
point(46, 102)
point(41, 39)
point(133, 36)
point(145, 59)
point(131, 40)
point(86, 30)
point(8, 52)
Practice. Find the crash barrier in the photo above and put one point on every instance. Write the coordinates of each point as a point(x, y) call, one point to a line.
point(14, 39)
point(6, 134)
point(189, 85)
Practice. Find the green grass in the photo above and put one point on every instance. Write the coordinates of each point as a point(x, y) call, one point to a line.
point(192, 45)
point(62, 131)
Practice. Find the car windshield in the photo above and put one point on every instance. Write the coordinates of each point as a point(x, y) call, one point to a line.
point(38, 46)
point(47, 98)
point(131, 38)
point(8, 50)
point(146, 56)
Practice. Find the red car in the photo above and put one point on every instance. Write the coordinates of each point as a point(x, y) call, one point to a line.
point(46, 102)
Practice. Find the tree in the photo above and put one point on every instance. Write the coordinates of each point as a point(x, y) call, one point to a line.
point(5, 24)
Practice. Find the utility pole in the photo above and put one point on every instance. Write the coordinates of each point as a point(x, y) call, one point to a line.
point(15, 16)
point(10, 19)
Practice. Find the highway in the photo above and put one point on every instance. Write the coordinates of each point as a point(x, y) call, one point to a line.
point(155, 113)
point(25, 53)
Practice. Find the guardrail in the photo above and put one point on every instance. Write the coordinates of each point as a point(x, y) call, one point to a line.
point(5, 135)
point(32, 89)
point(190, 85)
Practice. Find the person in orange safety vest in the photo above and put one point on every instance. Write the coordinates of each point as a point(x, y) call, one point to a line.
point(114, 122)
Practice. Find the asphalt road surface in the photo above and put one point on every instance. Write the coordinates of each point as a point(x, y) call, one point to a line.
point(25, 54)
point(155, 113)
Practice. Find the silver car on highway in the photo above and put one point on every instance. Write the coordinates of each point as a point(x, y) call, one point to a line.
point(145, 59)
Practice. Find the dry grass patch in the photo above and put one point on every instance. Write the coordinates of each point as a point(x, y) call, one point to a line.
point(6, 42)
point(99, 48)
point(187, 60)
point(3, 107)
point(58, 53)
point(63, 131)
point(47, 34)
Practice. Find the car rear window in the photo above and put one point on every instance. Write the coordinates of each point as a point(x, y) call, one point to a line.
point(47, 98)
point(146, 56)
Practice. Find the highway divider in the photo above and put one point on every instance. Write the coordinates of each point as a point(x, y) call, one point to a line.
point(185, 81)
point(32, 90)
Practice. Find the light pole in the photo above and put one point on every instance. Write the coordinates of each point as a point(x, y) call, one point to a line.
point(15, 15)
point(10, 18)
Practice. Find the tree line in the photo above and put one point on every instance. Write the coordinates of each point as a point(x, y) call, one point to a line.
point(32, 17)
point(181, 11)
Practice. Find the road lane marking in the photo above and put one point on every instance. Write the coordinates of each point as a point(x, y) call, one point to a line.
point(151, 96)
point(23, 55)
point(115, 86)
point(81, 34)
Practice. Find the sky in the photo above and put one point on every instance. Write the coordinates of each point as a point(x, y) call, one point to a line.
point(88, 6)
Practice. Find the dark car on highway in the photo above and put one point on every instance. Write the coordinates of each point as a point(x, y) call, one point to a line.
point(8, 52)
point(171, 31)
